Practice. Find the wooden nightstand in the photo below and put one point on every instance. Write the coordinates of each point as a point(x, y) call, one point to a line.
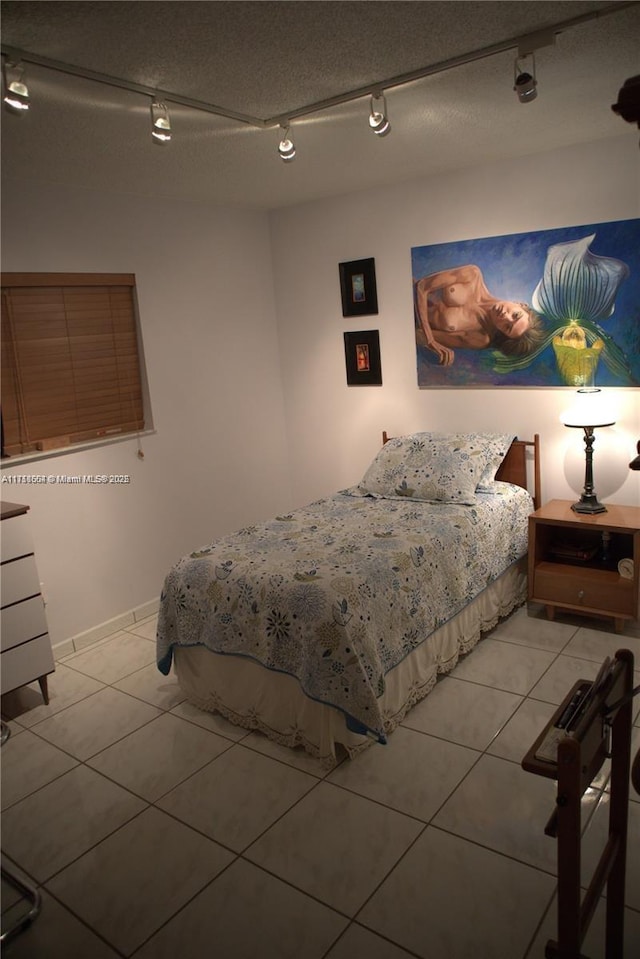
point(573, 560)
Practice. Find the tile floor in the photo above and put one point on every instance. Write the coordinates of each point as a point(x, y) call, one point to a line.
point(156, 831)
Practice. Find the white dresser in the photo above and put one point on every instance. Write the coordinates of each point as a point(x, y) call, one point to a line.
point(26, 647)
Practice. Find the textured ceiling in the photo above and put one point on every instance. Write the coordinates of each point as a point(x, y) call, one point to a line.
point(266, 59)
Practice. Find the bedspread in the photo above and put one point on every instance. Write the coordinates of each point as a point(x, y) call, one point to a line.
point(339, 592)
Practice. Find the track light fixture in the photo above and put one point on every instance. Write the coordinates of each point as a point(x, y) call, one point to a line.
point(286, 147)
point(160, 122)
point(16, 92)
point(378, 115)
point(525, 84)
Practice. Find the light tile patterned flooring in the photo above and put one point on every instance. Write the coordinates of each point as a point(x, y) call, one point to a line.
point(157, 831)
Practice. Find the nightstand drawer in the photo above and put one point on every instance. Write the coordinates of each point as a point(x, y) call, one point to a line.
point(24, 663)
point(22, 622)
point(16, 538)
point(19, 580)
point(569, 586)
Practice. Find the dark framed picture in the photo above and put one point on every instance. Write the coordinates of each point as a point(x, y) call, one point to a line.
point(358, 287)
point(362, 354)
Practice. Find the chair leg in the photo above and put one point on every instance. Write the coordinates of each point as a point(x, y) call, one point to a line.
point(28, 892)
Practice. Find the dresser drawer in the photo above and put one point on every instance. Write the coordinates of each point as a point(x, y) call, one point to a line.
point(18, 580)
point(16, 537)
point(22, 622)
point(25, 663)
point(569, 586)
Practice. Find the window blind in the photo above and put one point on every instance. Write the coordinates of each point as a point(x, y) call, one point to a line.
point(70, 359)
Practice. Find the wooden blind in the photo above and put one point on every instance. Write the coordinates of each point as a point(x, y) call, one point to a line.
point(70, 360)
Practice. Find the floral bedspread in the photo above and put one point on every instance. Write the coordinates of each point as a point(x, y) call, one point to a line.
point(339, 592)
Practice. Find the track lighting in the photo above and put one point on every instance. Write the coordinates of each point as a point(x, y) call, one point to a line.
point(525, 84)
point(378, 115)
point(286, 147)
point(160, 122)
point(16, 93)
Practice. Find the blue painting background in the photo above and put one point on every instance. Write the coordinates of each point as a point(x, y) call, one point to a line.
point(512, 266)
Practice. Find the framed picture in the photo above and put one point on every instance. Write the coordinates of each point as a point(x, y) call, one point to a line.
point(556, 307)
point(362, 354)
point(358, 287)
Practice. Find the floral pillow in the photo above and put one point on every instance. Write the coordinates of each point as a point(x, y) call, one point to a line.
point(432, 467)
point(496, 447)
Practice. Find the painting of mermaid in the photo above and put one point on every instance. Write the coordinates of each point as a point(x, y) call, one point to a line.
point(552, 308)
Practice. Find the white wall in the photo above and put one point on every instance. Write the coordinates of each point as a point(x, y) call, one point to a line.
point(218, 366)
point(334, 430)
point(218, 459)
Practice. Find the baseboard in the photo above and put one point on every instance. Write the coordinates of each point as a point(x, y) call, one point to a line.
point(94, 635)
point(146, 610)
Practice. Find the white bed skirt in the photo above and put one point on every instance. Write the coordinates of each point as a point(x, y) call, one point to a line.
point(260, 699)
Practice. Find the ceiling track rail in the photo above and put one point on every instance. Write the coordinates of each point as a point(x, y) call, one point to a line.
point(520, 44)
point(14, 54)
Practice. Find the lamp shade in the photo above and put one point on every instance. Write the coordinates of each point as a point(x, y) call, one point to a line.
point(590, 408)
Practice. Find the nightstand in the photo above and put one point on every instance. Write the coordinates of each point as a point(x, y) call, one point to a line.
point(573, 561)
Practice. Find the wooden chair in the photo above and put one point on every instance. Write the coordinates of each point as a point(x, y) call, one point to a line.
point(602, 731)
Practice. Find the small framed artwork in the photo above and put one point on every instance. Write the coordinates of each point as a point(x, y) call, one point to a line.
point(358, 287)
point(362, 354)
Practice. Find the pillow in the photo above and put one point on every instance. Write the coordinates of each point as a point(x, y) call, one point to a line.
point(496, 447)
point(430, 467)
point(495, 488)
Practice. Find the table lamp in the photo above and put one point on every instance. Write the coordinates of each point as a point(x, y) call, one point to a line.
point(589, 412)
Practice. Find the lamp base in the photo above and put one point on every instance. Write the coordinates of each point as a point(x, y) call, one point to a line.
point(589, 503)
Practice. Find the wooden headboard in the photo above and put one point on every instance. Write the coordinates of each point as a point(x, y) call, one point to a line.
point(513, 468)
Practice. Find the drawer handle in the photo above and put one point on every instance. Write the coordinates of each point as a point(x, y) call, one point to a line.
point(581, 594)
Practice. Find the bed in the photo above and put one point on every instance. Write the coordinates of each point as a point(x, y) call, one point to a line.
point(321, 628)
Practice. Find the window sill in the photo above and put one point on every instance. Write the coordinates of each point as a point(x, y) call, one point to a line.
point(21, 459)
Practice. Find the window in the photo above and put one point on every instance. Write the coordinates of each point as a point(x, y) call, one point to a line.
point(71, 363)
